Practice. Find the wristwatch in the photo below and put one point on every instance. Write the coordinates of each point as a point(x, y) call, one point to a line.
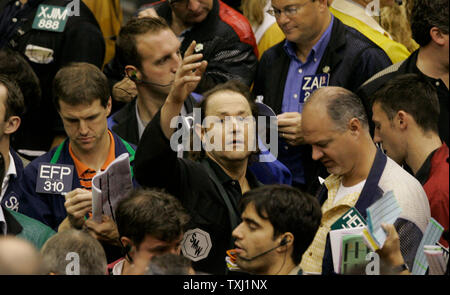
point(400, 268)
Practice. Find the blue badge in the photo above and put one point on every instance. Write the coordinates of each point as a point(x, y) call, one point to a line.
point(312, 83)
point(54, 178)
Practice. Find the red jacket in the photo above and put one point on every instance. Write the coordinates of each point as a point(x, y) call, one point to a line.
point(436, 188)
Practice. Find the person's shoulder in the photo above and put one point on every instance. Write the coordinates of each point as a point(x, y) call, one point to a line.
point(236, 21)
point(33, 230)
point(274, 52)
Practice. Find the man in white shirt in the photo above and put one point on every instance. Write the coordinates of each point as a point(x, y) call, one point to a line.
point(336, 126)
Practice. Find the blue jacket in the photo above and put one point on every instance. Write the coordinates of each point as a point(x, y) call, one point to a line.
point(11, 197)
point(48, 208)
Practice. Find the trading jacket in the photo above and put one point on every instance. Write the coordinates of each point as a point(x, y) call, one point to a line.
point(49, 208)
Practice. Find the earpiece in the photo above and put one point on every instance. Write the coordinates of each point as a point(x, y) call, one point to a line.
point(284, 241)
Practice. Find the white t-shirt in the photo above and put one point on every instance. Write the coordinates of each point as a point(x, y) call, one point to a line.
point(346, 190)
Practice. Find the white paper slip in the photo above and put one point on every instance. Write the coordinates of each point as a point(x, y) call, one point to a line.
point(336, 244)
point(430, 237)
point(111, 186)
point(385, 210)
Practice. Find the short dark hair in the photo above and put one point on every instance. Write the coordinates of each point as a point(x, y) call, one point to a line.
point(126, 45)
point(15, 67)
point(427, 14)
point(92, 257)
point(14, 104)
point(289, 210)
point(150, 212)
point(169, 264)
point(80, 83)
point(413, 94)
point(233, 86)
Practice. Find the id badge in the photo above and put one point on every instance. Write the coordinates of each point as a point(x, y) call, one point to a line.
point(50, 18)
point(54, 178)
point(311, 83)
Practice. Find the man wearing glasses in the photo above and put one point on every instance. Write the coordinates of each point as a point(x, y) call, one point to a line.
point(318, 51)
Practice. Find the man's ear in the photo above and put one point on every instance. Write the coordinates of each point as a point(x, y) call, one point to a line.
point(12, 124)
point(402, 119)
point(132, 72)
point(354, 125)
point(109, 106)
point(437, 36)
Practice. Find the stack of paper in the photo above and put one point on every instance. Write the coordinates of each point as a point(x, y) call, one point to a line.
point(339, 239)
point(111, 186)
point(435, 258)
point(431, 236)
point(385, 210)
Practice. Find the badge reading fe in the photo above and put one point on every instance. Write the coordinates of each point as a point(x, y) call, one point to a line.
point(312, 83)
point(54, 178)
point(50, 18)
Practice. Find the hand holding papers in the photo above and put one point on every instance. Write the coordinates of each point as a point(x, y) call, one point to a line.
point(385, 210)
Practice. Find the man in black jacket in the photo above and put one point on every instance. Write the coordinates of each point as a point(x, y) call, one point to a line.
point(318, 51)
point(49, 38)
point(211, 187)
point(150, 52)
point(429, 26)
point(223, 36)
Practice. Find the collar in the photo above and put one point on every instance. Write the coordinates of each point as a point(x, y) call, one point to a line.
point(357, 11)
point(225, 178)
point(140, 124)
point(318, 49)
point(12, 171)
point(371, 192)
point(12, 225)
point(296, 271)
point(118, 267)
point(82, 168)
point(3, 226)
point(423, 173)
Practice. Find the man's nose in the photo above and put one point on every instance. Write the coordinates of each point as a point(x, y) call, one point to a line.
point(316, 153)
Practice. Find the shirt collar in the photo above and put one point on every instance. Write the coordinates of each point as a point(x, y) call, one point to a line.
point(357, 11)
point(12, 171)
point(423, 173)
point(225, 178)
point(2, 222)
point(83, 168)
point(318, 49)
point(141, 125)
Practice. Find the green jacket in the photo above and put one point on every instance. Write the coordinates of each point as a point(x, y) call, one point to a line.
point(27, 228)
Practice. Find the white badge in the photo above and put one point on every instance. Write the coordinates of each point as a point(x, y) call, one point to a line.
point(196, 244)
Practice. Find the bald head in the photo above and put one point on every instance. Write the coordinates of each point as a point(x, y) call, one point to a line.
point(339, 105)
point(18, 257)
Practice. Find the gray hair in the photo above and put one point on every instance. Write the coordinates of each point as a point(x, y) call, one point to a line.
point(342, 105)
point(92, 257)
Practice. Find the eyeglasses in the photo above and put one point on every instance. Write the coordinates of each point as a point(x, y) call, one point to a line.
point(288, 11)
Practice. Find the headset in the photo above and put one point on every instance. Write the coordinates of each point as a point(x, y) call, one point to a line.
point(283, 242)
point(135, 79)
